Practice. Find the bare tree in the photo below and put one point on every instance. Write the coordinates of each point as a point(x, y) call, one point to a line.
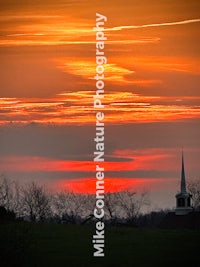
point(16, 204)
point(59, 202)
point(194, 189)
point(130, 204)
point(111, 204)
point(70, 206)
point(6, 194)
point(35, 201)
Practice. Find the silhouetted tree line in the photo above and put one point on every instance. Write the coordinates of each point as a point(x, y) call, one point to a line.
point(34, 202)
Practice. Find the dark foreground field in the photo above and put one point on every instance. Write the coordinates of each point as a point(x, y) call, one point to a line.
point(43, 245)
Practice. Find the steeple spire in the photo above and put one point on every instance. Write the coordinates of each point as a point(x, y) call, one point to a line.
point(183, 186)
point(183, 205)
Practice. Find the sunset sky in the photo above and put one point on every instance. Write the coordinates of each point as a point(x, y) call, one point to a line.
point(152, 96)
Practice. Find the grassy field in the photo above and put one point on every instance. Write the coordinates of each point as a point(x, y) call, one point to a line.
point(55, 245)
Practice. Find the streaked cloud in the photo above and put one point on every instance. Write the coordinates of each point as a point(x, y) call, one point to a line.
point(87, 185)
point(77, 107)
point(119, 28)
point(139, 160)
point(87, 69)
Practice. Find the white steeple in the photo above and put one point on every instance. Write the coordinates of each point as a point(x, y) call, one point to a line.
point(183, 199)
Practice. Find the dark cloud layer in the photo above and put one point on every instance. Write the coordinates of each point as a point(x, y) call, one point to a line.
point(77, 142)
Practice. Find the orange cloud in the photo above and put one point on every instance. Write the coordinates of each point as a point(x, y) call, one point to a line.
point(87, 69)
point(132, 160)
point(113, 73)
point(77, 108)
point(28, 29)
point(87, 185)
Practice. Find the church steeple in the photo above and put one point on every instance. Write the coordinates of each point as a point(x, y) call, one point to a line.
point(183, 199)
point(183, 185)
